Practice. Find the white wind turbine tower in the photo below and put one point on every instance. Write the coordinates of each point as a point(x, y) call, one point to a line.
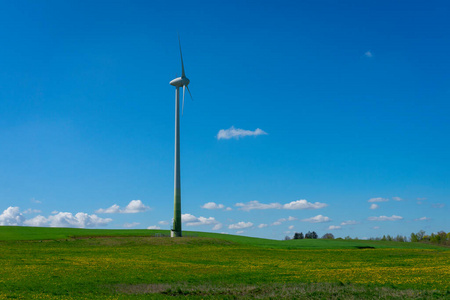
point(182, 81)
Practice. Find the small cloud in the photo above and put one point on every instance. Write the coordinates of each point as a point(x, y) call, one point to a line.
point(397, 199)
point(257, 205)
point(131, 225)
point(349, 222)
point(276, 223)
point(32, 211)
point(135, 206)
point(317, 219)
point(192, 220)
point(188, 218)
point(368, 54)
point(374, 206)
point(420, 200)
point(240, 232)
point(385, 218)
point(303, 204)
point(422, 219)
point(213, 205)
point(438, 205)
point(262, 225)
point(334, 227)
point(237, 133)
point(163, 223)
point(294, 205)
point(376, 227)
point(153, 227)
point(217, 226)
point(291, 227)
point(54, 212)
point(35, 201)
point(378, 199)
point(240, 225)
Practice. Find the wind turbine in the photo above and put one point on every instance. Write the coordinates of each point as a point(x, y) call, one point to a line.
point(179, 82)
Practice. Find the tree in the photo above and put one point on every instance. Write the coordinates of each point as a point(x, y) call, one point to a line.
point(298, 236)
point(420, 235)
point(311, 235)
point(287, 238)
point(414, 238)
point(328, 236)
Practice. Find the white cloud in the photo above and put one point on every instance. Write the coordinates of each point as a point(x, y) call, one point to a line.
point(12, 216)
point(192, 220)
point(213, 205)
point(135, 206)
point(237, 133)
point(334, 227)
point(291, 227)
point(131, 225)
point(282, 220)
point(188, 218)
point(376, 227)
point(217, 226)
point(35, 201)
point(240, 225)
point(153, 227)
point(256, 205)
point(299, 204)
point(368, 54)
point(164, 222)
point(397, 199)
point(37, 221)
point(438, 205)
point(303, 204)
point(240, 232)
point(262, 225)
point(374, 206)
point(349, 222)
point(79, 220)
point(202, 221)
point(385, 218)
point(114, 209)
point(317, 219)
point(422, 219)
point(32, 211)
point(378, 199)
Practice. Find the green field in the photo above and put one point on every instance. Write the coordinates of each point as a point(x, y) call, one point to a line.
point(63, 263)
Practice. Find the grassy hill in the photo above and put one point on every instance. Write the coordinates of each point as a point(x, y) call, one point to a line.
point(20, 233)
point(67, 263)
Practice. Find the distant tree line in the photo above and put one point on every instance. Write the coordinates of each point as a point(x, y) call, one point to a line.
point(441, 238)
point(309, 235)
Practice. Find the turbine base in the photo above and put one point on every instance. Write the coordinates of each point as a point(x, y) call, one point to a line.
point(174, 233)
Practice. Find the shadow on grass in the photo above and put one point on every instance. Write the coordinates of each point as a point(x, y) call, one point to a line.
point(279, 291)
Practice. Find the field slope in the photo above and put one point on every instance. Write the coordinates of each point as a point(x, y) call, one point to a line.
point(63, 263)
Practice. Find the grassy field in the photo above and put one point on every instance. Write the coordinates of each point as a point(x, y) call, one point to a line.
point(62, 263)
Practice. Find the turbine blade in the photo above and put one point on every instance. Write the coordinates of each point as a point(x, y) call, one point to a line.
point(182, 106)
point(181, 55)
point(190, 93)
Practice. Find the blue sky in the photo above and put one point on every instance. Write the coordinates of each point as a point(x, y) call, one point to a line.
point(339, 111)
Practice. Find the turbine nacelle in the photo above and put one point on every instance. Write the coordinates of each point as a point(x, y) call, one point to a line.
point(180, 82)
